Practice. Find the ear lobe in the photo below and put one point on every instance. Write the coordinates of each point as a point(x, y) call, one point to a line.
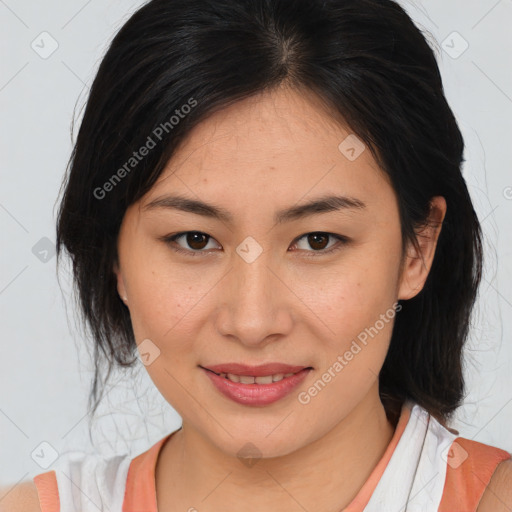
point(121, 288)
point(418, 260)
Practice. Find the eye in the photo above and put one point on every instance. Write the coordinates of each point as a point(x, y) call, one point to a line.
point(197, 241)
point(194, 239)
point(317, 240)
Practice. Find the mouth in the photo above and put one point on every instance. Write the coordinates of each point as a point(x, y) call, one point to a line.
point(257, 385)
point(262, 374)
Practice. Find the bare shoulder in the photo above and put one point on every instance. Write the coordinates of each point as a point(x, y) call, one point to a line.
point(498, 494)
point(22, 497)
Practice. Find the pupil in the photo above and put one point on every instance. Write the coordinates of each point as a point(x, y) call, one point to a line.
point(316, 236)
point(191, 243)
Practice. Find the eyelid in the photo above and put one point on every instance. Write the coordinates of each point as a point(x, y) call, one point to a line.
point(342, 241)
point(170, 240)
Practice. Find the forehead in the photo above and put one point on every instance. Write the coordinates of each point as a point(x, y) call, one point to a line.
point(272, 148)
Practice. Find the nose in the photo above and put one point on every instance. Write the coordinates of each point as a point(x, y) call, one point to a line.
point(255, 307)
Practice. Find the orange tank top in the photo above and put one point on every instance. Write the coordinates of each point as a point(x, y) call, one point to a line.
point(469, 468)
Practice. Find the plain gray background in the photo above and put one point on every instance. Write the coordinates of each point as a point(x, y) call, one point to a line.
point(50, 53)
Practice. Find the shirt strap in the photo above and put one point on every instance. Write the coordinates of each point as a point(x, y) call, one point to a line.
point(48, 492)
point(470, 466)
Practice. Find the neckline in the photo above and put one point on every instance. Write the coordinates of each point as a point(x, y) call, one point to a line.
point(140, 488)
point(365, 493)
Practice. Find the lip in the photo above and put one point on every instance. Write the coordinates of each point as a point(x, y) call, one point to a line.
point(254, 371)
point(257, 394)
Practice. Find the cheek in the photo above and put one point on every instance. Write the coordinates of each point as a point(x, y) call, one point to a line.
point(358, 309)
point(352, 295)
point(164, 300)
point(356, 302)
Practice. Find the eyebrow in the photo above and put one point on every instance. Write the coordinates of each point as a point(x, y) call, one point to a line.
point(328, 203)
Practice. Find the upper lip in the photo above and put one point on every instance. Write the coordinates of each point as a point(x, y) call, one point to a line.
point(255, 371)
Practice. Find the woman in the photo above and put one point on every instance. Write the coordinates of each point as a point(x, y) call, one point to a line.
point(265, 201)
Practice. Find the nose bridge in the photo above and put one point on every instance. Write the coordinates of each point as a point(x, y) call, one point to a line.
point(253, 280)
point(253, 307)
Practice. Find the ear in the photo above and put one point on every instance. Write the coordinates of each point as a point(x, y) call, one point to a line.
point(121, 288)
point(418, 262)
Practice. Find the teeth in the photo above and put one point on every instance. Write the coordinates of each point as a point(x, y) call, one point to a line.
point(246, 379)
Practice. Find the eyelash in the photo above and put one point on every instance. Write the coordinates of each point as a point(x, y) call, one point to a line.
point(171, 239)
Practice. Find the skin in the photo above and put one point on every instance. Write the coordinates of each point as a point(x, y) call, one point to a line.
point(269, 152)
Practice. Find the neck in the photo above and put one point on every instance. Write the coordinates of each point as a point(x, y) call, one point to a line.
point(194, 473)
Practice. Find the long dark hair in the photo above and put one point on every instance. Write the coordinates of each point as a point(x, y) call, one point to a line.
point(175, 62)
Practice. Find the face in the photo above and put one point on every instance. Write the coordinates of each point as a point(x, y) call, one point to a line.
point(315, 289)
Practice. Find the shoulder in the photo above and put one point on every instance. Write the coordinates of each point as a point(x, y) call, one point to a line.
point(22, 497)
point(498, 494)
point(475, 474)
point(97, 479)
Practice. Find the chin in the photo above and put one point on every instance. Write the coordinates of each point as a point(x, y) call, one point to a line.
point(254, 446)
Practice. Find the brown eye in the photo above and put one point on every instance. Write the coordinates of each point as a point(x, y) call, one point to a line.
point(196, 240)
point(190, 243)
point(318, 241)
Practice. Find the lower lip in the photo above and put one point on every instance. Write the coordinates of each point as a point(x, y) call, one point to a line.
point(257, 394)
